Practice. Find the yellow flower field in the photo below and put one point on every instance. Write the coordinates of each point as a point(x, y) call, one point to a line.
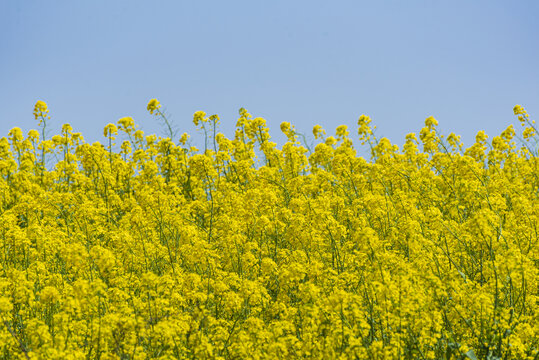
point(146, 247)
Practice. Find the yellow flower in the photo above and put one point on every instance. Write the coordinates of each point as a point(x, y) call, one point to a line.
point(184, 138)
point(199, 117)
point(153, 105)
point(126, 147)
point(33, 134)
point(481, 137)
point(127, 124)
point(40, 109)
point(67, 129)
point(431, 122)
point(519, 110)
point(528, 133)
point(5, 305)
point(342, 131)
point(16, 134)
point(139, 135)
point(110, 130)
point(49, 294)
point(285, 127)
point(255, 251)
point(331, 141)
point(318, 132)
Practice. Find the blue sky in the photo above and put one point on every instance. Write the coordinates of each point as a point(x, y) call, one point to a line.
point(467, 63)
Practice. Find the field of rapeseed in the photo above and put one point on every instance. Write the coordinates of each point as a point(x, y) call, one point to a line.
point(146, 247)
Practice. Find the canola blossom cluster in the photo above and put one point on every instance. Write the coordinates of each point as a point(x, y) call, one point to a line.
point(144, 247)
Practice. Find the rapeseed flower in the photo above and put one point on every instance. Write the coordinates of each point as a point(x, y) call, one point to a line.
point(250, 250)
point(153, 105)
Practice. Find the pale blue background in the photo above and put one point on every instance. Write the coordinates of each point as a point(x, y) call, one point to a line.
point(467, 63)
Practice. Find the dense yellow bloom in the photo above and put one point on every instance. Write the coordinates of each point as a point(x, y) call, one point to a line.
point(250, 251)
point(49, 294)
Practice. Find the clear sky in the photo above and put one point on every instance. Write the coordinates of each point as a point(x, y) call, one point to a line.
point(467, 63)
